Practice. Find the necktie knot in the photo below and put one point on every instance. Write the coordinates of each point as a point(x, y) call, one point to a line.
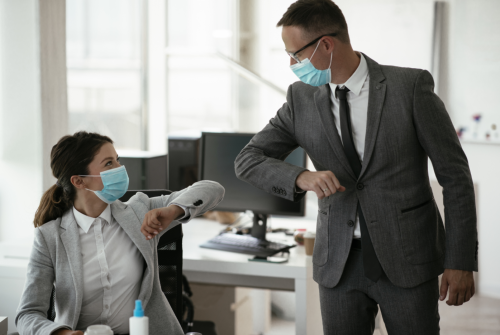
point(342, 93)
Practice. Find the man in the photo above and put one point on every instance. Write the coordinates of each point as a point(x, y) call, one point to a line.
point(369, 130)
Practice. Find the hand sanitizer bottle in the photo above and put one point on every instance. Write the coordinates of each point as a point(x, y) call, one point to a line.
point(139, 324)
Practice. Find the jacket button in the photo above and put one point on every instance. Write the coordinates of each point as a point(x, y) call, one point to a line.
point(350, 223)
point(360, 186)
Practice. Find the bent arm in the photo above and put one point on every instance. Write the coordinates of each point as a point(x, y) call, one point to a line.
point(261, 162)
point(31, 318)
point(195, 200)
point(437, 136)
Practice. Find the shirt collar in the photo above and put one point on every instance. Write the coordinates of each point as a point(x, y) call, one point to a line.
point(356, 81)
point(85, 221)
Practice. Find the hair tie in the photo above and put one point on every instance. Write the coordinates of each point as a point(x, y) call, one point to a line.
point(58, 184)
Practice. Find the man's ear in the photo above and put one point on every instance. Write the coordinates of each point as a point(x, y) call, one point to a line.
point(329, 43)
point(77, 182)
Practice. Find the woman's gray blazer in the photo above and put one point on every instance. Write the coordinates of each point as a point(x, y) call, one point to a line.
point(56, 260)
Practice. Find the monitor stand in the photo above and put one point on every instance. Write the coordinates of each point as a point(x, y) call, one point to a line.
point(259, 226)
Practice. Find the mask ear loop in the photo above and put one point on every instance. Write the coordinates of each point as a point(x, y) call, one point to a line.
point(89, 175)
point(317, 45)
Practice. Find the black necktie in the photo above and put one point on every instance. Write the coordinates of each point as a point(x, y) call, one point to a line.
point(372, 267)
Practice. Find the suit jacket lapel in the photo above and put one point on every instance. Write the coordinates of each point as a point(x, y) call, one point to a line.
point(324, 109)
point(376, 97)
point(71, 241)
point(128, 220)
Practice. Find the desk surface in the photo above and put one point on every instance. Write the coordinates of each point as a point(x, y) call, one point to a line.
point(199, 259)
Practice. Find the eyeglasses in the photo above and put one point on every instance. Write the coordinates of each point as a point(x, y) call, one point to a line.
point(294, 54)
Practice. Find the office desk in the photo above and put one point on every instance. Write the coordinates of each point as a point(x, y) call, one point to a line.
point(226, 268)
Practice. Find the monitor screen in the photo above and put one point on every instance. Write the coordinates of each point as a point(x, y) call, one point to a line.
point(217, 156)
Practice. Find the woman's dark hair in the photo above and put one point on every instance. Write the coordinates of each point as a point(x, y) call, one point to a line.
point(316, 18)
point(69, 157)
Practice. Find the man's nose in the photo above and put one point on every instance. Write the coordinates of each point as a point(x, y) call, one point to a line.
point(292, 61)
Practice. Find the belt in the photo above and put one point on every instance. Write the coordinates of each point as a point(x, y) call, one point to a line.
point(356, 243)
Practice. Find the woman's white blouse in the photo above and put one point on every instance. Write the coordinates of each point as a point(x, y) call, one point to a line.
point(112, 270)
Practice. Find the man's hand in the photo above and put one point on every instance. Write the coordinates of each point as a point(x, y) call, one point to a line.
point(68, 332)
point(461, 284)
point(158, 219)
point(323, 183)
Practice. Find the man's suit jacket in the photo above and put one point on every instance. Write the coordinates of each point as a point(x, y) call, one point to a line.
point(407, 124)
point(56, 260)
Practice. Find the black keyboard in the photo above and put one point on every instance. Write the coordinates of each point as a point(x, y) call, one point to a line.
point(245, 244)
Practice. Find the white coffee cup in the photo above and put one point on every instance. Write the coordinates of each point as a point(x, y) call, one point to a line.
point(99, 330)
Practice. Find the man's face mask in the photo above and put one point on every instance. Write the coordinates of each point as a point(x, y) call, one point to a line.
point(308, 74)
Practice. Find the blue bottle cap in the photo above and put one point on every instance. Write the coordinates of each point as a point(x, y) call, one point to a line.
point(138, 311)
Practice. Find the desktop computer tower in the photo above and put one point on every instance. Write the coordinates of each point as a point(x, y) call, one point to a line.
point(183, 160)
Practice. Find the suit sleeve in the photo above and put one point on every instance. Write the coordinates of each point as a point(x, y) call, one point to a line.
point(31, 315)
point(196, 199)
point(437, 136)
point(261, 162)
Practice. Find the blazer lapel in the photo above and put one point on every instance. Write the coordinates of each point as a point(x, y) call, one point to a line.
point(71, 241)
point(324, 109)
point(376, 97)
point(128, 220)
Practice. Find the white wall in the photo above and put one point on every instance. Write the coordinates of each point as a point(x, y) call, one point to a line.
point(20, 110)
point(469, 84)
point(484, 163)
point(471, 65)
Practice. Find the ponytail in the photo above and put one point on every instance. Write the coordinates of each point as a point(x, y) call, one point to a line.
point(52, 206)
point(69, 157)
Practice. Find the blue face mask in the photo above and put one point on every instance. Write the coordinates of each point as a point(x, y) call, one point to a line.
point(115, 183)
point(306, 71)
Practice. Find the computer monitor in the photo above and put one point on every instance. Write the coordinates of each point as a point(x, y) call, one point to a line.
point(217, 155)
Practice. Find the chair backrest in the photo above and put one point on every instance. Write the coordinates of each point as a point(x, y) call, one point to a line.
point(169, 262)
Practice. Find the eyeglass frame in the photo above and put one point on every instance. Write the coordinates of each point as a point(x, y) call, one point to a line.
point(293, 55)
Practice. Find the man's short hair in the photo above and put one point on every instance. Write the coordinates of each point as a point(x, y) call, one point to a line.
point(316, 17)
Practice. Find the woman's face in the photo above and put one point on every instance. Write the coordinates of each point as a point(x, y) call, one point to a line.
point(106, 159)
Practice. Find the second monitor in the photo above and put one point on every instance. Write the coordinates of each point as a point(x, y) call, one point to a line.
point(217, 155)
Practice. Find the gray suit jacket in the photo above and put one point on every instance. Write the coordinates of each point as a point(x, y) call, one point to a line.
point(407, 124)
point(56, 260)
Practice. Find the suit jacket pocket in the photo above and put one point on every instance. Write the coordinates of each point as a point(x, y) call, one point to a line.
point(422, 233)
point(320, 253)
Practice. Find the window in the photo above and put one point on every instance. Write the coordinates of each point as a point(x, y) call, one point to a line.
point(105, 69)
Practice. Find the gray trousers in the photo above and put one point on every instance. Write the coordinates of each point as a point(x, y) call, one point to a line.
point(351, 306)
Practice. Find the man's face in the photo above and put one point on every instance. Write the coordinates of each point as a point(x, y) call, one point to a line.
point(293, 38)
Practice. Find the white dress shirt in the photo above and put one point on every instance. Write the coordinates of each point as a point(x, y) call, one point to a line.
point(357, 98)
point(112, 272)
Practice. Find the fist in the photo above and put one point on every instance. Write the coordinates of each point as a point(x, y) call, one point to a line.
point(323, 183)
point(159, 219)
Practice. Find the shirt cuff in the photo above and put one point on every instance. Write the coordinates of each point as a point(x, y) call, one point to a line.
point(184, 208)
point(298, 190)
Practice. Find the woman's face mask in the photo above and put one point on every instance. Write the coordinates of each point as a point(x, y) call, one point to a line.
point(115, 183)
point(308, 74)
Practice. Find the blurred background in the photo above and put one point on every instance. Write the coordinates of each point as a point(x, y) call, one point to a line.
point(140, 71)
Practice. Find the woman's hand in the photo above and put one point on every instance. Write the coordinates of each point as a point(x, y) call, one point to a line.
point(158, 219)
point(68, 332)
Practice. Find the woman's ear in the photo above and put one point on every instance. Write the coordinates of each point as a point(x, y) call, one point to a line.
point(77, 182)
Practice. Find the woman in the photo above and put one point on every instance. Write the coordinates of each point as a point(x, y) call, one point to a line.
point(93, 248)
